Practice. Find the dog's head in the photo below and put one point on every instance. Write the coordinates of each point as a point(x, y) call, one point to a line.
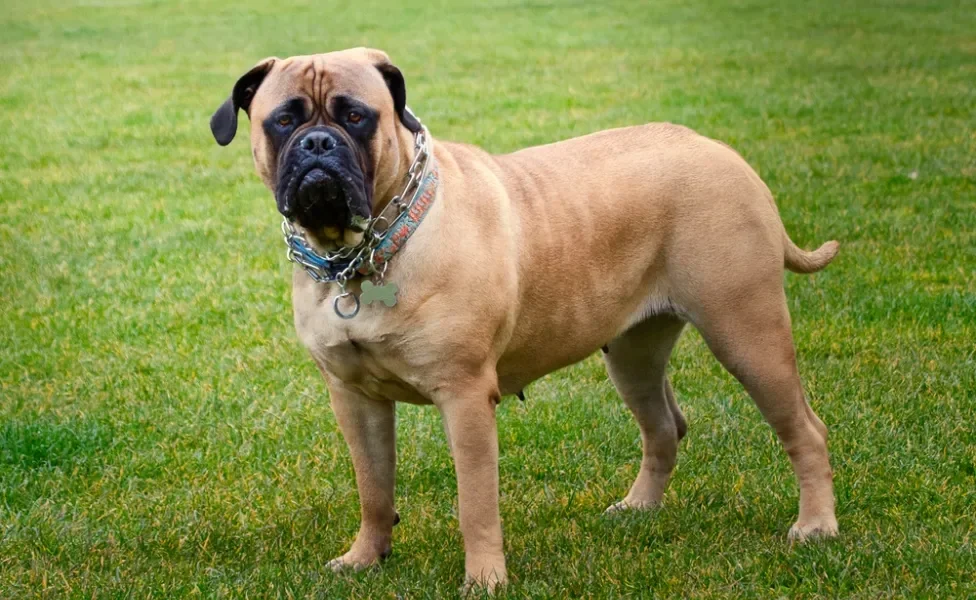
point(330, 135)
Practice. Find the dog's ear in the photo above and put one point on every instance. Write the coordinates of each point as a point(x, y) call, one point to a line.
point(394, 81)
point(223, 123)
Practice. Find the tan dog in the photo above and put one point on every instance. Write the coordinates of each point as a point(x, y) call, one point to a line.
point(525, 263)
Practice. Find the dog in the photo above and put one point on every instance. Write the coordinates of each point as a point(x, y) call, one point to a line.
point(492, 271)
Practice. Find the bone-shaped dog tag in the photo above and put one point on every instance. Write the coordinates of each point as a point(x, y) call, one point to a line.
point(385, 293)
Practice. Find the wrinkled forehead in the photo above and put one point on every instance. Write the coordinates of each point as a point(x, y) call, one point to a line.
point(318, 79)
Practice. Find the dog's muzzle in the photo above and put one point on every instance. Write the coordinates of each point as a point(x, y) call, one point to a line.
point(321, 182)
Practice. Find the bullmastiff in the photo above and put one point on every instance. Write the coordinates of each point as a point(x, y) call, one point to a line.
point(437, 273)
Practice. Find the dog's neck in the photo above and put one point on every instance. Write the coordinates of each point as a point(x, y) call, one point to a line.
point(384, 191)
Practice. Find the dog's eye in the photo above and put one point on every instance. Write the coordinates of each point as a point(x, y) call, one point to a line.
point(284, 120)
point(354, 117)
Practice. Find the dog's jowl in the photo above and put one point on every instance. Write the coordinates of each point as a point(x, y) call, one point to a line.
point(482, 273)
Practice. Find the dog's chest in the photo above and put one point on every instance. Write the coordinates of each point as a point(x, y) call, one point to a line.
point(360, 352)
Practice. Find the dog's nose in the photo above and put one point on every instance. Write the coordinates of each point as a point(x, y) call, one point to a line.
point(318, 142)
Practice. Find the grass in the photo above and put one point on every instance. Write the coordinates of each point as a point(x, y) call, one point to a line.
point(163, 434)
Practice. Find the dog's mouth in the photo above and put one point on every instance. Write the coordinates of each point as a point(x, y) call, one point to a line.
point(325, 203)
point(321, 199)
point(324, 190)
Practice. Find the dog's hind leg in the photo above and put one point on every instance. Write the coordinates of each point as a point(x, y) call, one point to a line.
point(749, 331)
point(637, 363)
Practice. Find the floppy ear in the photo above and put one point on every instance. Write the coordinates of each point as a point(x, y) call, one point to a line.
point(394, 81)
point(223, 123)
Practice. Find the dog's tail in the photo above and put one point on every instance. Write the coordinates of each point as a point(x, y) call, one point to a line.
point(799, 260)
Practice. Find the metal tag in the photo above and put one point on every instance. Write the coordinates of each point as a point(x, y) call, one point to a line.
point(385, 293)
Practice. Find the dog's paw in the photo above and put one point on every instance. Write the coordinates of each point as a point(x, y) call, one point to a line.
point(483, 574)
point(342, 563)
point(355, 561)
point(483, 586)
point(818, 528)
point(625, 504)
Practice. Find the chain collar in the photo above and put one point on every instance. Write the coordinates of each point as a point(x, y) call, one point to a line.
point(362, 259)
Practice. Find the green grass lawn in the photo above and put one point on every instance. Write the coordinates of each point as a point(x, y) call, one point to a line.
point(163, 433)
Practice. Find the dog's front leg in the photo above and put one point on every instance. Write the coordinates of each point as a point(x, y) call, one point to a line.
point(469, 418)
point(368, 425)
